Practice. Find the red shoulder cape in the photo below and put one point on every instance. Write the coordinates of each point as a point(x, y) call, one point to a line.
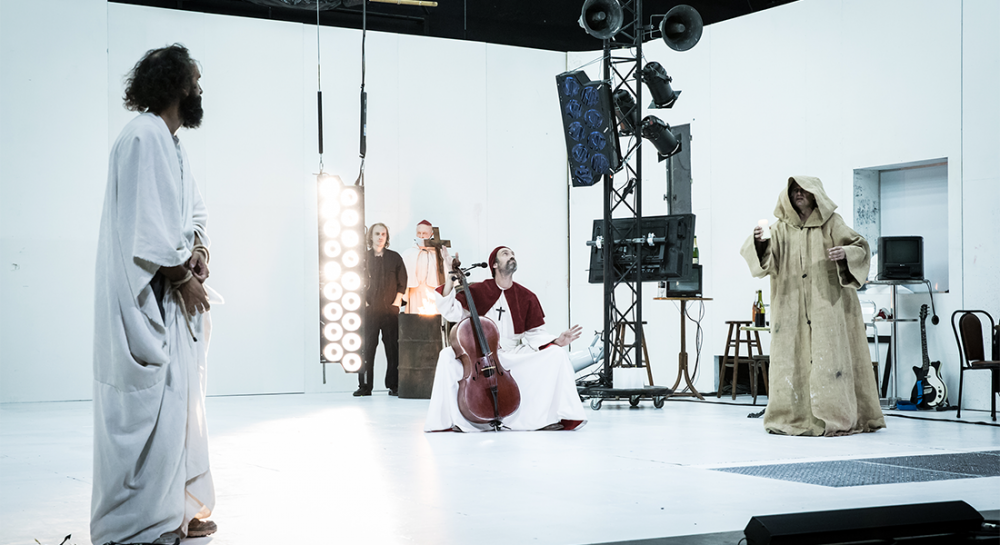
point(525, 310)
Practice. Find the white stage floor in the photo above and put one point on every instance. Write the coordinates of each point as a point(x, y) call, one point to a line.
point(331, 468)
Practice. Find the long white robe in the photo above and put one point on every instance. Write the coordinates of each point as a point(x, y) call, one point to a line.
point(421, 279)
point(151, 471)
point(544, 377)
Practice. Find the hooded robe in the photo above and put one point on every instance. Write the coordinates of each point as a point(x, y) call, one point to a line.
point(821, 380)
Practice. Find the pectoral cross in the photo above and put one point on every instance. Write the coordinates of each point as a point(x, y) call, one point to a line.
point(500, 312)
point(437, 244)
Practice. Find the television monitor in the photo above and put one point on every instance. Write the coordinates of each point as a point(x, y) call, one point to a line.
point(901, 258)
point(688, 285)
point(668, 257)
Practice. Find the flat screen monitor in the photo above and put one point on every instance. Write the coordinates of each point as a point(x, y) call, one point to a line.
point(901, 258)
point(668, 257)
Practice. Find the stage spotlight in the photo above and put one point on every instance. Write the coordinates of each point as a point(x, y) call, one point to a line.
point(658, 132)
point(352, 341)
point(341, 264)
point(351, 238)
point(351, 321)
point(352, 363)
point(352, 301)
point(658, 82)
point(332, 291)
point(601, 19)
point(331, 248)
point(681, 27)
point(352, 281)
point(333, 352)
point(333, 312)
point(331, 271)
point(626, 111)
point(333, 332)
point(589, 127)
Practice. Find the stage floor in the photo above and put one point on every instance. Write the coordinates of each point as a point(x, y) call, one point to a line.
point(331, 468)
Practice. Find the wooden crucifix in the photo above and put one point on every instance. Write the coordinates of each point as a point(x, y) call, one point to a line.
point(437, 244)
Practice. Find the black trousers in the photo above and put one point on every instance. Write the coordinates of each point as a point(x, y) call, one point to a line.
point(386, 323)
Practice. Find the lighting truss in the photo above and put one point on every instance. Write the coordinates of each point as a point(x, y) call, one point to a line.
point(623, 334)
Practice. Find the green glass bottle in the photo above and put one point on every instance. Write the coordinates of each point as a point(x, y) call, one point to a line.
point(694, 258)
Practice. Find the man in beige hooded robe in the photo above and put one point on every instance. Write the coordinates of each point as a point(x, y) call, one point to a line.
point(820, 372)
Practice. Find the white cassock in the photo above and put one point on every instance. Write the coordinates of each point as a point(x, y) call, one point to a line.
point(421, 279)
point(151, 472)
point(544, 377)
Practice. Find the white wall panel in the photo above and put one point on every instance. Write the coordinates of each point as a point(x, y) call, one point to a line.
point(53, 157)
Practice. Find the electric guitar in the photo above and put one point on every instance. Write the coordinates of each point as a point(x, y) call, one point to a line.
point(930, 390)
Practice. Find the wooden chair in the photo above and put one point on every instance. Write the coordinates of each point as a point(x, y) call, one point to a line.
point(972, 354)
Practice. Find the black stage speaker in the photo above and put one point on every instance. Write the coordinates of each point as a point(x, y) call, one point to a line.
point(871, 523)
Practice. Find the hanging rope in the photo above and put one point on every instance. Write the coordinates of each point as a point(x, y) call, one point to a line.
point(364, 97)
point(319, 92)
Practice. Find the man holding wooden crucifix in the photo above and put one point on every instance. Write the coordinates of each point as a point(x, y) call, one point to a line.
point(424, 269)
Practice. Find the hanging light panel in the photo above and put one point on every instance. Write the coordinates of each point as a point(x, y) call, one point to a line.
point(341, 269)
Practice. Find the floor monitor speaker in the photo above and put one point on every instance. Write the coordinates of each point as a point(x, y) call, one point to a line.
point(870, 523)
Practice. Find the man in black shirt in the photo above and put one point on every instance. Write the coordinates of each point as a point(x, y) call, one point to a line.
point(386, 285)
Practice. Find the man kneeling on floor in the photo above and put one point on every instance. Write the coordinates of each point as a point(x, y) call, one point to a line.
point(534, 358)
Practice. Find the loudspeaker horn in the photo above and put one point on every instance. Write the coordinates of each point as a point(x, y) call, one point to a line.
point(603, 18)
point(681, 27)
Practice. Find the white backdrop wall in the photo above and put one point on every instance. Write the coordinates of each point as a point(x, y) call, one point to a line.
point(53, 167)
point(821, 88)
point(463, 134)
point(468, 136)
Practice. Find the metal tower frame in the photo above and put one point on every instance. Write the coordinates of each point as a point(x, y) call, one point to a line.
point(623, 332)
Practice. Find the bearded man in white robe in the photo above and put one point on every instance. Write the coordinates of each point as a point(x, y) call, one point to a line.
point(421, 263)
point(152, 482)
point(535, 358)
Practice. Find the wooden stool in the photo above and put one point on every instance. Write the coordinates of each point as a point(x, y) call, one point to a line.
point(758, 363)
point(731, 342)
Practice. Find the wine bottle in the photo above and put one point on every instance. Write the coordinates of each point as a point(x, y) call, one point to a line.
point(759, 319)
point(694, 258)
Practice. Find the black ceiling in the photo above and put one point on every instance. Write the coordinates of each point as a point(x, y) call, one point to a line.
point(539, 24)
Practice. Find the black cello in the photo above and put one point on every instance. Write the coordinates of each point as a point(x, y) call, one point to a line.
point(487, 393)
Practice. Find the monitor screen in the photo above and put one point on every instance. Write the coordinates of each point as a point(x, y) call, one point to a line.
point(903, 250)
point(667, 256)
point(900, 258)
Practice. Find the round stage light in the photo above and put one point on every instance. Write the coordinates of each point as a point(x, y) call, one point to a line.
point(349, 197)
point(333, 312)
point(331, 248)
point(352, 281)
point(351, 363)
point(331, 271)
point(352, 342)
point(333, 352)
point(351, 321)
point(350, 218)
point(351, 259)
point(332, 291)
point(333, 332)
point(329, 187)
point(352, 301)
point(571, 87)
point(329, 209)
point(350, 239)
point(331, 228)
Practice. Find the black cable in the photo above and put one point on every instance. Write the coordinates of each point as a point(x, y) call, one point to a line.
point(955, 420)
